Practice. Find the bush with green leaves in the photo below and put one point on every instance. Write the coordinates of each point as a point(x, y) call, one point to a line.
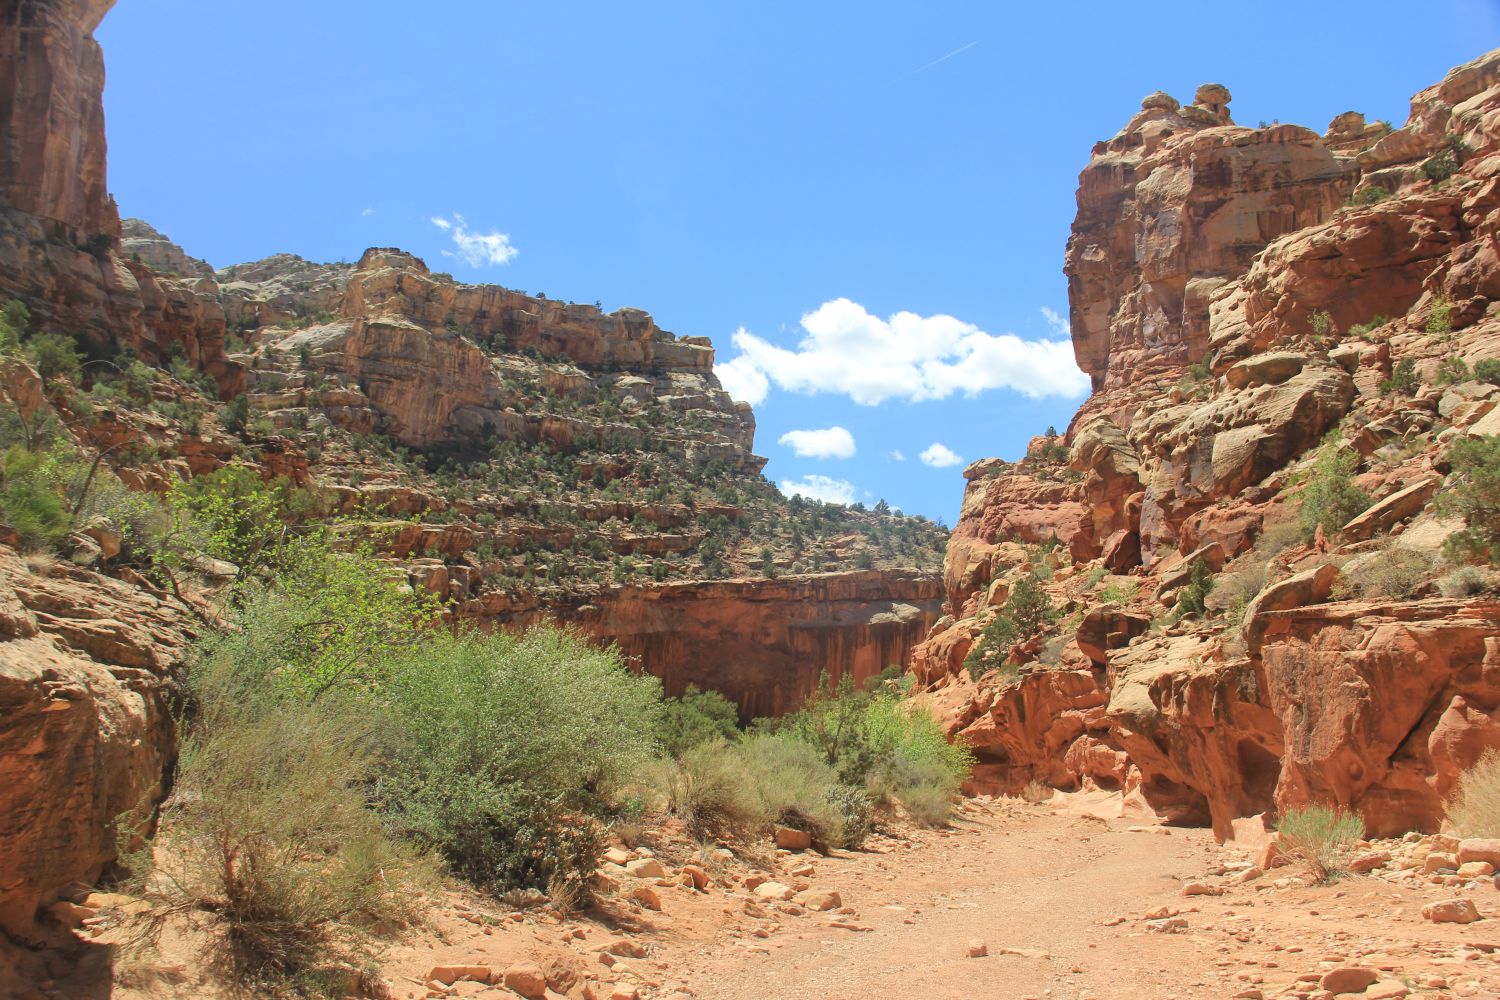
point(54, 356)
point(697, 717)
point(507, 746)
point(1330, 499)
point(1440, 317)
point(1321, 837)
point(1488, 370)
point(269, 829)
point(1473, 493)
point(1025, 611)
point(1403, 380)
point(30, 504)
point(1192, 599)
point(1453, 370)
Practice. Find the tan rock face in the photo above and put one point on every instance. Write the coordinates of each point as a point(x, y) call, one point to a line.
point(85, 692)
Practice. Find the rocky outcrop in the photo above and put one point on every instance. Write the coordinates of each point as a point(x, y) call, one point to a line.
point(1240, 296)
point(86, 695)
point(59, 229)
point(139, 241)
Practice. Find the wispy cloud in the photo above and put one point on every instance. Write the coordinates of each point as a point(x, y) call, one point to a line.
point(1059, 325)
point(831, 442)
point(476, 249)
point(368, 212)
point(850, 352)
point(824, 488)
point(896, 455)
point(940, 456)
point(940, 59)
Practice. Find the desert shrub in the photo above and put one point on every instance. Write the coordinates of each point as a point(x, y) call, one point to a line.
point(1474, 808)
point(1330, 499)
point(1234, 591)
point(270, 831)
point(1192, 598)
point(1120, 593)
point(1394, 571)
point(54, 356)
point(1403, 380)
point(506, 748)
point(1370, 194)
point(1465, 581)
point(1488, 370)
point(235, 511)
point(15, 320)
point(1320, 837)
point(1369, 326)
point(914, 763)
point(1445, 162)
point(327, 621)
point(1440, 318)
point(29, 501)
point(1453, 370)
point(735, 790)
point(697, 717)
point(235, 414)
point(1473, 493)
point(1320, 322)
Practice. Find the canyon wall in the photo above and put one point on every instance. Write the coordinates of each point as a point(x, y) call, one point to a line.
point(1240, 296)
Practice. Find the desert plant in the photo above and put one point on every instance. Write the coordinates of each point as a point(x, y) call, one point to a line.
point(507, 747)
point(1403, 380)
point(1320, 322)
point(1320, 836)
point(1192, 599)
point(733, 791)
point(54, 356)
point(270, 832)
point(1330, 499)
point(1440, 316)
point(1474, 808)
point(697, 717)
point(1370, 194)
point(30, 503)
point(1488, 370)
point(1120, 593)
point(1473, 493)
point(1453, 370)
point(1394, 571)
point(1465, 581)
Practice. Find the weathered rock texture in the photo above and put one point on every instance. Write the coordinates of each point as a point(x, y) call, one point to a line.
point(1237, 294)
point(87, 734)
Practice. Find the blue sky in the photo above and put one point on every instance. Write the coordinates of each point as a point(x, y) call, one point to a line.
point(733, 167)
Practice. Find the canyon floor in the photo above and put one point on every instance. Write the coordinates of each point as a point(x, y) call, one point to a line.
point(1066, 904)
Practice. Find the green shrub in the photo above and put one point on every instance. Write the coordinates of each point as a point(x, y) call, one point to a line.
point(1320, 837)
point(1445, 162)
point(1453, 370)
point(1370, 194)
point(1321, 322)
point(1120, 593)
point(697, 717)
point(1394, 571)
point(234, 415)
point(1330, 499)
point(1474, 809)
point(1193, 596)
point(1465, 581)
point(1403, 380)
point(1025, 611)
point(269, 830)
point(1473, 493)
point(1440, 318)
point(54, 356)
point(506, 748)
point(29, 501)
point(1488, 370)
point(735, 791)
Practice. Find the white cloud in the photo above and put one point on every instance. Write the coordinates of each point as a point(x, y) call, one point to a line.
point(848, 351)
point(940, 456)
point(824, 488)
point(1059, 325)
point(833, 442)
point(475, 249)
point(896, 456)
point(742, 381)
point(368, 212)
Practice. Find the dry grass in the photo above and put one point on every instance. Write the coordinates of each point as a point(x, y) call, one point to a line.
point(1321, 838)
point(1474, 808)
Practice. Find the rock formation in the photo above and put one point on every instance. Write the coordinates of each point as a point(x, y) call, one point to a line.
point(1237, 295)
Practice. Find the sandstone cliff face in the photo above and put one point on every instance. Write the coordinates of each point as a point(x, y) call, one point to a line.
point(1236, 295)
point(59, 228)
